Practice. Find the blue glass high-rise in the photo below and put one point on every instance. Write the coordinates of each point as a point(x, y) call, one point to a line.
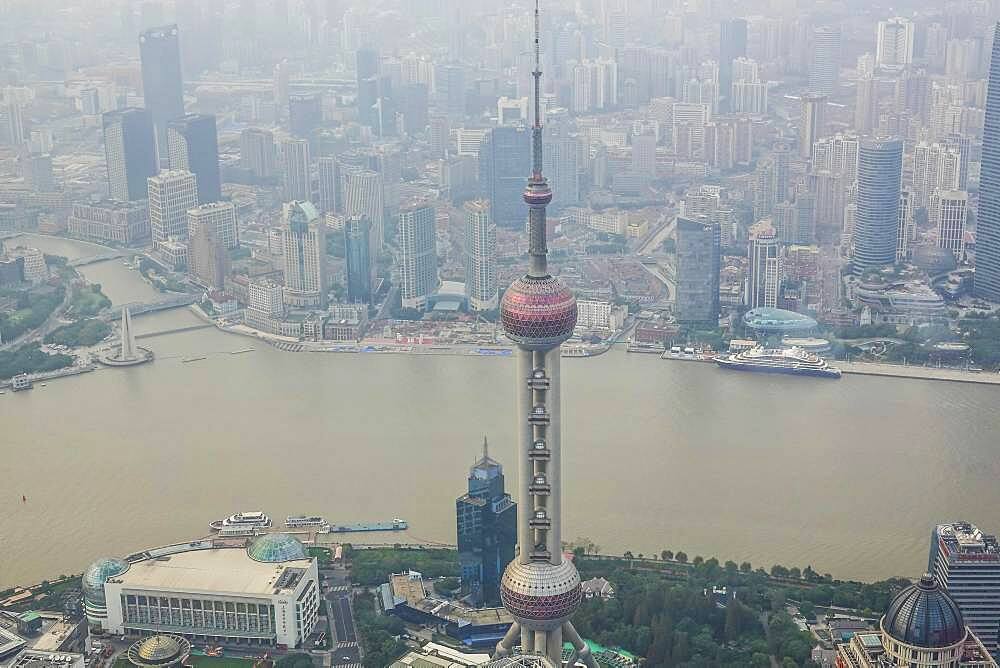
point(504, 157)
point(487, 531)
point(876, 223)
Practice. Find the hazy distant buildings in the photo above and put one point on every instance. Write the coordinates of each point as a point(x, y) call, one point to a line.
point(880, 166)
point(504, 159)
point(906, 231)
point(358, 259)
point(486, 518)
point(162, 84)
point(305, 114)
point(418, 272)
point(171, 194)
point(698, 265)
point(257, 152)
point(561, 165)
point(326, 172)
point(732, 45)
point(480, 257)
point(296, 184)
point(824, 66)
point(130, 153)
point(193, 145)
point(363, 196)
point(304, 255)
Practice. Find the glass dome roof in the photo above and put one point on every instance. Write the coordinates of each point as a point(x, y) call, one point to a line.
point(98, 574)
point(275, 548)
point(924, 615)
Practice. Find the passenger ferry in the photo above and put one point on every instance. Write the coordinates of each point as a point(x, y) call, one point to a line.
point(252, 519)
point(793, 361)
point(295, 521)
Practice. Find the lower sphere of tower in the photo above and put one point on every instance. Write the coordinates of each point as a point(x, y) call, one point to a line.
point(540, 595)
point(538, 313)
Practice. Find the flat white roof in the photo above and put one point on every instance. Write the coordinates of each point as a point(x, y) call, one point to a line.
point(217, 571)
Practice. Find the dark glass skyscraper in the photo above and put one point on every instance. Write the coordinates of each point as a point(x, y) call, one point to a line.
point(487, 531)
point(305, 114)
point(366, 70)
point(732, 44)
point(130, 152)
point(876, 223)
point(193, 145)
point(358, 254)
point(504, 157)
point(162, 85)
point(986, 283)
point(698, 264)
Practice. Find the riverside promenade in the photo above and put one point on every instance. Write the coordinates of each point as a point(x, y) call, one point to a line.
point(922, 372)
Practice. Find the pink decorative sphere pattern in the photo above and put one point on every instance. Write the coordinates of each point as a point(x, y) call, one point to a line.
point(540, 595)
point(538, 313)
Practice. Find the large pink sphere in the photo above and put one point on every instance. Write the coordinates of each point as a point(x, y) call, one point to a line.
point(538, 313)
point(540, 595)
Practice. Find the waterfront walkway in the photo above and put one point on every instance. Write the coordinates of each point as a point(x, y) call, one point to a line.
point(922, 372)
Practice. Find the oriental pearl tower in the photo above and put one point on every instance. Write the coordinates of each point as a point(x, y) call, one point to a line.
point(540, 589)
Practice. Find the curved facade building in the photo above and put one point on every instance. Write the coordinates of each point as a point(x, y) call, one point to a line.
point(876, 221)
point(766, 321)
point(260, 593)
point(93, 581)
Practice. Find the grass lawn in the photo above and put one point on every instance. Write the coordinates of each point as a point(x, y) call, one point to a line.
point(323, 555)
point(219, 662)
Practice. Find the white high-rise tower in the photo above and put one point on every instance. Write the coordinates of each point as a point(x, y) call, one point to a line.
point(540, 588)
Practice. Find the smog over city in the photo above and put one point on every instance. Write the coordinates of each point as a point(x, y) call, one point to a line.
point(538, 334)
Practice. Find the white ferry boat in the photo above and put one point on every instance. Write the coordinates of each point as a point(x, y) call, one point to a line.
point(296, 521)
point(254, 519)
point(793, 361)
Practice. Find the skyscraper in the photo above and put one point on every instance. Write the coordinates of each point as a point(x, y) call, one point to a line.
point(366, 72)
point(296, 184)
point(880, 167)
point(906, 231)
point(503, 157)
point(732, 45)
point(480, 257)
point(540, 588)
point(304, 255)
point(866, 104)
point(305, 114)
point(894, 43)
point(966, 562)
point(487, 531)
point(698, 265)
point(130, 153)
point(362, 189)
point(257, 152)
point(220, 217)
point(162, 85)
point(812, 123)
point(358, 258)
point(948, 212)
point(171, 194)
point(326, 172)
point(562, 165)
point(209, 262)
point(418, 270)
point(193, 145)
point(764, 266)
point(824, 67)
point(986, 283)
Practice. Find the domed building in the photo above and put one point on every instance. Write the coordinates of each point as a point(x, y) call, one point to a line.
point(275, 548)
point(921, 628)
point(258, 592)
point(767, 321)
point(93, 581)
point(159, 651)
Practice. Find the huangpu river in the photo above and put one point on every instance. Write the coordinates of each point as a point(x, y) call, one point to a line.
point(847, 476)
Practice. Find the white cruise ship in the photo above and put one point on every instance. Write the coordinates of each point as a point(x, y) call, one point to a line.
point(793, 361)
point(253, 519)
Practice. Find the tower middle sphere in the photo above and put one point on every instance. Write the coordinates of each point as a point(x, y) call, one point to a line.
point(538, 313)
point(540, 595)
